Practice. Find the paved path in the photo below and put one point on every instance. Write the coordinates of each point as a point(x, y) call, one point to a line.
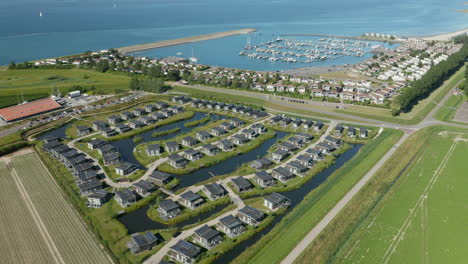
point(340, 205)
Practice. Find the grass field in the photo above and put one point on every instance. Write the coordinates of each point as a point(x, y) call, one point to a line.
point(422, 218)
point(449, 109)
point(37, 83)
point(39, 220)
point(274, 246)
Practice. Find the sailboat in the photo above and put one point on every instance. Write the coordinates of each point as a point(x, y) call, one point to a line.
point(40, 14)
point(193, 59)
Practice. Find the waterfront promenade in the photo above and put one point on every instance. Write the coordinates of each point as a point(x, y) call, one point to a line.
point(172, 42)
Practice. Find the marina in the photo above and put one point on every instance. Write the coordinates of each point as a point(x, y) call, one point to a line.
point(307, 51)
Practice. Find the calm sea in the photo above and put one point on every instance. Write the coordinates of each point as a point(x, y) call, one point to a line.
point(69, 27)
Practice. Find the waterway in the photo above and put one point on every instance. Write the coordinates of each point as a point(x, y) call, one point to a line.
point(74, 26)
point(296, 197)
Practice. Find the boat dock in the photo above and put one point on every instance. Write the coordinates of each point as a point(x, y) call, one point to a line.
point(166, 43)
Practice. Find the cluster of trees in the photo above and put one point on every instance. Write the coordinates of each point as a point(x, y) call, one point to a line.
point(29, 65)
point(148, 83)
point(430, 81)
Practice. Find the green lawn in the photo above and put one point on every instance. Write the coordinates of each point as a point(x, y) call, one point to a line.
point(449, 109)
point(37, 83)
point(282, 239)
point(423, 217)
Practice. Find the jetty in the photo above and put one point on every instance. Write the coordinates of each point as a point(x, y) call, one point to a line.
point(166, 43)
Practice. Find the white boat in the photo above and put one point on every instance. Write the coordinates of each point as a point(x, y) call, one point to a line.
point(40, 14)
point(193, 58)
point(179, 53)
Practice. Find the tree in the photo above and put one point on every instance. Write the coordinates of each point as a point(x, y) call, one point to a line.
point(135, 83)
point(12, 65)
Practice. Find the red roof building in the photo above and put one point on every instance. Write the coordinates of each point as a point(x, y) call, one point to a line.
point(16, 112)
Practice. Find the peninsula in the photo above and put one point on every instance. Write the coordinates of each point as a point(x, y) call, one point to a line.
point(172, 42)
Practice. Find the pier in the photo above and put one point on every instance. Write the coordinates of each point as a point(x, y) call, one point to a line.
point(166, 43)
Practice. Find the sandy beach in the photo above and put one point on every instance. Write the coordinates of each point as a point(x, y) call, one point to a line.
point(443, 36)
point(172, 42)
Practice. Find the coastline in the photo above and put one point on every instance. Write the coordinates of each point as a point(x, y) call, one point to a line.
point(172, 42)
point(443, 36)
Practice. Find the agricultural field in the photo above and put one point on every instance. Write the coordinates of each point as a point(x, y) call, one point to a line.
point(422, 217)
point(20, 237)
point(36, 83)
point(38, 202)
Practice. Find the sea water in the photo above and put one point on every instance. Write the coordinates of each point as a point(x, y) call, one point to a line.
point(74, 26)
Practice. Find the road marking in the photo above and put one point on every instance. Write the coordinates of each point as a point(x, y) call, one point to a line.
point(401, 232)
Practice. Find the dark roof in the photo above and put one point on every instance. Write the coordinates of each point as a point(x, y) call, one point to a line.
point(241, 182)
point(99, 194)
point(281, 152)
point(203, 133)
point(230, 221)
point(87, 175)
point(214, 188)
point(190, 196)
point(172, 144)
point(263, 175)
point(209, 147)
point(160, 175)
point(89, 185)
point(144, 185)
point(191, 152)
point(126, 195)
point(282, 171)
point(297, 165)
point(206, 232)
point(175, 157)
point(144, 240)
point(154, 147)
point(304, 157)
point(275, 198)
point(252, 212)
point(97, 141)
point(111, 156)
point(168, 205)
point(186, 248)
point(126, 166)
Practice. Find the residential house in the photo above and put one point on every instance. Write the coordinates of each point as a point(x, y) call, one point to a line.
point(172, 146)
point(325, 147)
point(122, 128)
point(207, 237)
point(286, 146)
point(125, 197)
point(191, 200)
point(239, 139)
point(317, 126)
point(135, 124)
point(176, 161)
point(351, 132)
point(202, 135)
point(100, 125)
point(161, 105)
point(189, 141)
point(231, 226)
point(296, 141)
point(275, 201)
point(111, 158)
point(106, 149)
point(214, 191)
point(336, 142)
point(264, 179)
point(315, 153)
point(296, 123)
point(192, 154)
point(250, 215)
point(147, 120)
point(160, 178)
point(296, 168)
point(307, 124)
point(279, 155)
point(139, 112)
point(89, 187)
point(114, 120)
point(210, 149)
point(127, 115)
point(184, 252)
point(305, 137)
point(306, 160)
point(225, 145)
point(153, 150)
point(139, 243)
point(249, 133)
point(241, 184)
point(237, 122)
point(150, 108)
point(338, 131)
point(261, 164)
point(363, 132)
point(282, 174)
point(126, 169)
point(144, 188)
point(258, 128)
point(226, 125)
point(82, 130)
point(109, 132)
point(217, 131)
point(98, 198)
point(168, 209)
